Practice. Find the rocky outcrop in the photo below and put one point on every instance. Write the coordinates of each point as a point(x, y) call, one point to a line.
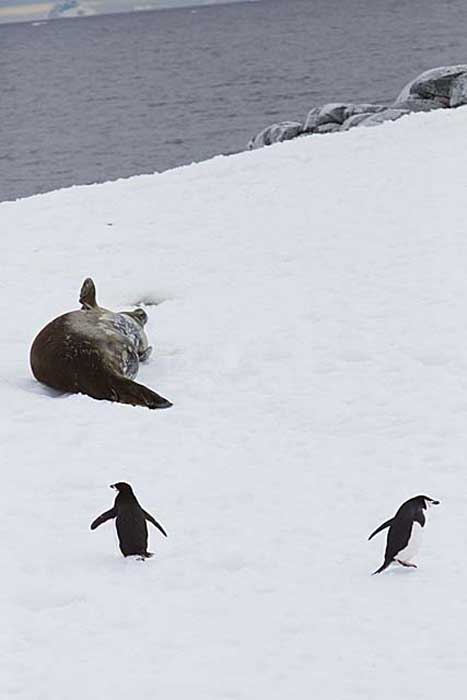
point(336, 113)
point(435, 85)
point(386, 115)
point(283, 131)
point(438, 88)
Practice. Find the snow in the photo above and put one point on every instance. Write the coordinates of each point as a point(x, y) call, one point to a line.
point(307, 307)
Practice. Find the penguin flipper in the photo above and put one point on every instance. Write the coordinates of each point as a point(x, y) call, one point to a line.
point(108, 515)
point(388, 523)
point(152, 520)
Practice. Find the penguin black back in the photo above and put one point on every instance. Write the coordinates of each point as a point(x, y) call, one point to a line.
point(130, 521)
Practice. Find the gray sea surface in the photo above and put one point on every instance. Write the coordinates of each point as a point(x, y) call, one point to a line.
point(99, 98)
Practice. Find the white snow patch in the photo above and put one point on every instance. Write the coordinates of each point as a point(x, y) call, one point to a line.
point(313, 341)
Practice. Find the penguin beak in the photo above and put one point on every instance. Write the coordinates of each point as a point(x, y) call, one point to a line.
point(112, 486)
point(435, 503)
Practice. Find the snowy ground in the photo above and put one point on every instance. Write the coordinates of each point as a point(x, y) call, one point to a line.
point(310, 328)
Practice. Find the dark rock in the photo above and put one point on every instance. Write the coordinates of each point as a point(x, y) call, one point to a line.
point(459, 91)
point(388, 115)
point(417, 105)
point(434, 84)
point(434, 89)
point(283, 131)
point(336, 113)
point(355, 120)
point(311, 121)
point(328, 128)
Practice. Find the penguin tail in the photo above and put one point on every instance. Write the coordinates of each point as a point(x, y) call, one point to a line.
point(382, 567)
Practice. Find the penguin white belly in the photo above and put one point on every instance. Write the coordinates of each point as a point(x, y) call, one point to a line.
point(413, 545)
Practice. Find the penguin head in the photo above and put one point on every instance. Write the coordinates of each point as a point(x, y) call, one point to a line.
point(426, 502)
point(123, 488)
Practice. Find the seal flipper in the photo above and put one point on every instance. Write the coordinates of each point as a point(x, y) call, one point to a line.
point(146, 354)
point(87, 295)
point(125, 390)
point(388, 523)
point(152, 520)
point(108, 515)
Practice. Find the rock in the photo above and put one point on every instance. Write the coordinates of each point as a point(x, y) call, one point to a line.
point(434, 84)
point(283, 131)
point(333, 113)
point(417, 105)
point(459, 91)
point(327, 128)
point(388, 115)
point(311, 121)
point(434, 89)
point(336, 113)
point(355, 120)
point(353, 110)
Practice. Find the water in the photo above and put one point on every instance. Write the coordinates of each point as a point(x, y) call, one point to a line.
point(98, 98)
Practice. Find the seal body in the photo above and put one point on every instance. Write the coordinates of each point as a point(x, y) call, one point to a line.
point(405, 532)
point(130, 521)
point(97, 352)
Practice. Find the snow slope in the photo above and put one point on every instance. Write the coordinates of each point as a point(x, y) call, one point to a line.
point(308, 306)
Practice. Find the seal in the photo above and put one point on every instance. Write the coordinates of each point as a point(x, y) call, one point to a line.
point(95, 351)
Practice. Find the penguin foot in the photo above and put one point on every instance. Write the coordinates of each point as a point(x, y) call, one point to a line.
point(143, 557)
point(407, 564)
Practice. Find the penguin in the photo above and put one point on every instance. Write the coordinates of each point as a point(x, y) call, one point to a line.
point(405, 529)
point(130, 522)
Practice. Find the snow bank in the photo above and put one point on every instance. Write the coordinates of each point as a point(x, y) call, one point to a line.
point(307, 306)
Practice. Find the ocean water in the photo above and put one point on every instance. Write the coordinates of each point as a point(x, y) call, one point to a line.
point(99, 98)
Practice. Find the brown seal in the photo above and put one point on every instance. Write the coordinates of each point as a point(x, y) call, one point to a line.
point(95, 351)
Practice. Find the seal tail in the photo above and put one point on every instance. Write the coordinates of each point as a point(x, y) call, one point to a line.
point(382, 567)
point(124, 390)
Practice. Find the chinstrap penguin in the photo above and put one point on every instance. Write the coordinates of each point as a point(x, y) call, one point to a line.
point(130, 522)
point(405, 530)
